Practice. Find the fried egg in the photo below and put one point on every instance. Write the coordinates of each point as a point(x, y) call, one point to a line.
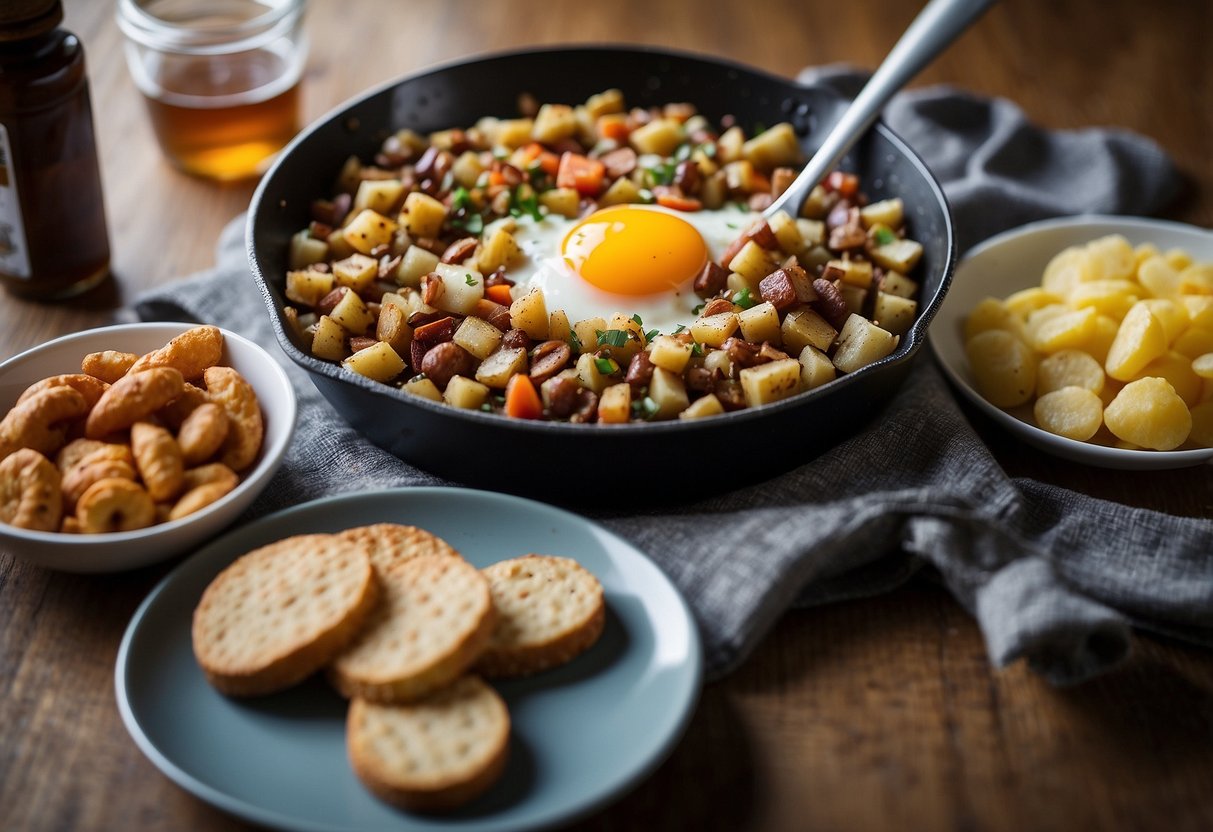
point(630, 259)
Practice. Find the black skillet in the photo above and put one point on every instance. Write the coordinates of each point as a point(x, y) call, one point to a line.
point(577, 463)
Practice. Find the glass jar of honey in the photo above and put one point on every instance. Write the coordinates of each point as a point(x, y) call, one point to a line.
point(53, 239)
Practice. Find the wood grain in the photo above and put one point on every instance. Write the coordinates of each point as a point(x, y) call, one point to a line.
point(875, 714)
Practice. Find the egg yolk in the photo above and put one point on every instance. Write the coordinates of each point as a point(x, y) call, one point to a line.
point(634, 251)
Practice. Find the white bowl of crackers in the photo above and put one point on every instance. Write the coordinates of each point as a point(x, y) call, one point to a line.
point(126, 445)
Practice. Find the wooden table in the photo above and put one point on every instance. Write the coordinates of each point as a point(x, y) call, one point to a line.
point(877, 714)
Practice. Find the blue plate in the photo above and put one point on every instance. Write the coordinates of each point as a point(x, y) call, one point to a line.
point(582, 734)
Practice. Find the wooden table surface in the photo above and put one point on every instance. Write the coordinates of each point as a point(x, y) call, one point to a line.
point(875, 714)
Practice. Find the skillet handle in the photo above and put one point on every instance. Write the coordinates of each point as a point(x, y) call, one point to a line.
point(937, 25)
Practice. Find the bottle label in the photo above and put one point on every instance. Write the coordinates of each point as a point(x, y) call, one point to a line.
point(14, 252)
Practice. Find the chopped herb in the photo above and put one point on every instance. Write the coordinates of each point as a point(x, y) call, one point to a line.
point(648, 408)
point(698, 309)
point(660, 174)
point(460, 198)
point(486, 407)
point(472, 223)
point(636, 319)
point(606, 366)
point(611, 337)
point(574, 341)
point(696, 349)
point(680, 329)
point(525, 205)
point(646, 195)
point(884, 236)
point(733, 225)
point(744, 299)
point(682, 153)
point(651, 334)
point(469, 280)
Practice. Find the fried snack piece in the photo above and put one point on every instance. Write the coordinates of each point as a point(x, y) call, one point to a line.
point(79, 478)
point(133, 398)
point(390, 543)
point(114, 505)
point(551, 609)
point(29, 491)
point(159, 460)
point(108, 365)
point(174, 414)
point(202, 433)
point(203, 486)
point(85, 385)
point(281, 612)
point(83, 451)
point(36, 422)
point(435, 754)
point(434, 621)
point(215, 472)
point(227, 388)
point(190, 353)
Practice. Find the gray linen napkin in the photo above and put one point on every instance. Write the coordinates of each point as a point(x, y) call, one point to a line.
point(1052, 576)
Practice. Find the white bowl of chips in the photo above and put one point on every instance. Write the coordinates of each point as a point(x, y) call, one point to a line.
point(1013, 265)
point(177, 527)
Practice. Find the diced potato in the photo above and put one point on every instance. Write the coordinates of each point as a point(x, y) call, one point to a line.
point(787, 232)
point(815, 368)
point(740, 177)
point(853, 297)
point(761, 323)
point(667, 391)
point(530, 314)
point(497, 249)
point(422, 215)
point(563, 201)
point(553, 123)
point(893, 313)
point(1197, 279)
point(467, 168)
point(770, 382)
point(615, 404)
point(512, 133)
point(729, 145)
point(495, 371)
point(465, 393)
point(392, 329)
point(660, 136)
point(306, 250)
point(900, 285)
point(1173, 316)
point(328, 340)
point(462, 287)
point(415, 263)
point(308, 287)
point(623, 191)
point(558, 326)
point(1069, 368)
point(854, 272)
point(1139, 341)
point(337, 245)
point(1072, 412)
point(804, 327)
point(423, 387)
point(736, 283)
point(356, 271)
point(890, 212)
point(1194, 341)
point(990, 313)
point(813, 232)
point(633, 343)
point(708, 405)
point(1177, 370)
point(1112, 258)
point(368, 230)
point(1149, 413)
point(1157, 276)
point(1066, 330)
point(860, 342)
point(898, 256)
point(714, 191)
point(753, 262)
point(714, 330)
point(604, 103)
point(379, 195)
point(1199, 309)
point(352, 313)
point(587, 332)
point(477, 336)
point(719, 360)
point(1004, 367)
point(774, 147)
point(590, 376)
point(669, 353)
point(1113, 298)
point(1026, 301)
point(379, 362)
point(1066, 270)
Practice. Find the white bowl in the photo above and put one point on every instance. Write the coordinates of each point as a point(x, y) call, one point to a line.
point(1015, 260)
point(127, 550)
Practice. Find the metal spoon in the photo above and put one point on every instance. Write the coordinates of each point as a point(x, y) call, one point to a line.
point(937, 25)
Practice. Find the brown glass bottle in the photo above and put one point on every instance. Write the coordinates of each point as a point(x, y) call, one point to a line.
point(53, 239)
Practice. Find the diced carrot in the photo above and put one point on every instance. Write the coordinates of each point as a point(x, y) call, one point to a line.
point(679, 203)
point(521, 400)
point(549, 162)
point(496, 177)
point(499, 294)
point(613, 126)
point(846, 184)
point(580, 172)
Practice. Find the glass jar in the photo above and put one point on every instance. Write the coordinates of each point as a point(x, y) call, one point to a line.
point(220, 78)
point(53, 238)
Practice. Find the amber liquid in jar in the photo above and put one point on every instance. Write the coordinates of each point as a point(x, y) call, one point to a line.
point(224, 116)
point(53, 238)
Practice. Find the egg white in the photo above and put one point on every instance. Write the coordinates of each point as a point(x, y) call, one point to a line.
point(544, 268)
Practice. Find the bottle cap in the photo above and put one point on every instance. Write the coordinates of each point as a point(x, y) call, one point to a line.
point(20, 19)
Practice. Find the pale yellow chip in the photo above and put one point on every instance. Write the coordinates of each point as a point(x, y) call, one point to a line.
point(1072, 412)
point(1140, 339)
point(1004, 367)
point(1149, 413)
point(1069, 368)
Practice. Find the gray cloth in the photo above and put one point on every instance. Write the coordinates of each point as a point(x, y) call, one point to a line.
point(1052, 576)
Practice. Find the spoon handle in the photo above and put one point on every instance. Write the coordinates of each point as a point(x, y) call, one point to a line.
point(937, 25)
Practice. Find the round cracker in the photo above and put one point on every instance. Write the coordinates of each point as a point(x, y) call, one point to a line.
point(281, 612)
point(391, 543)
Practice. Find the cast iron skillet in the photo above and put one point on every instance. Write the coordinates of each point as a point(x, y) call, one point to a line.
point(607, 464)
